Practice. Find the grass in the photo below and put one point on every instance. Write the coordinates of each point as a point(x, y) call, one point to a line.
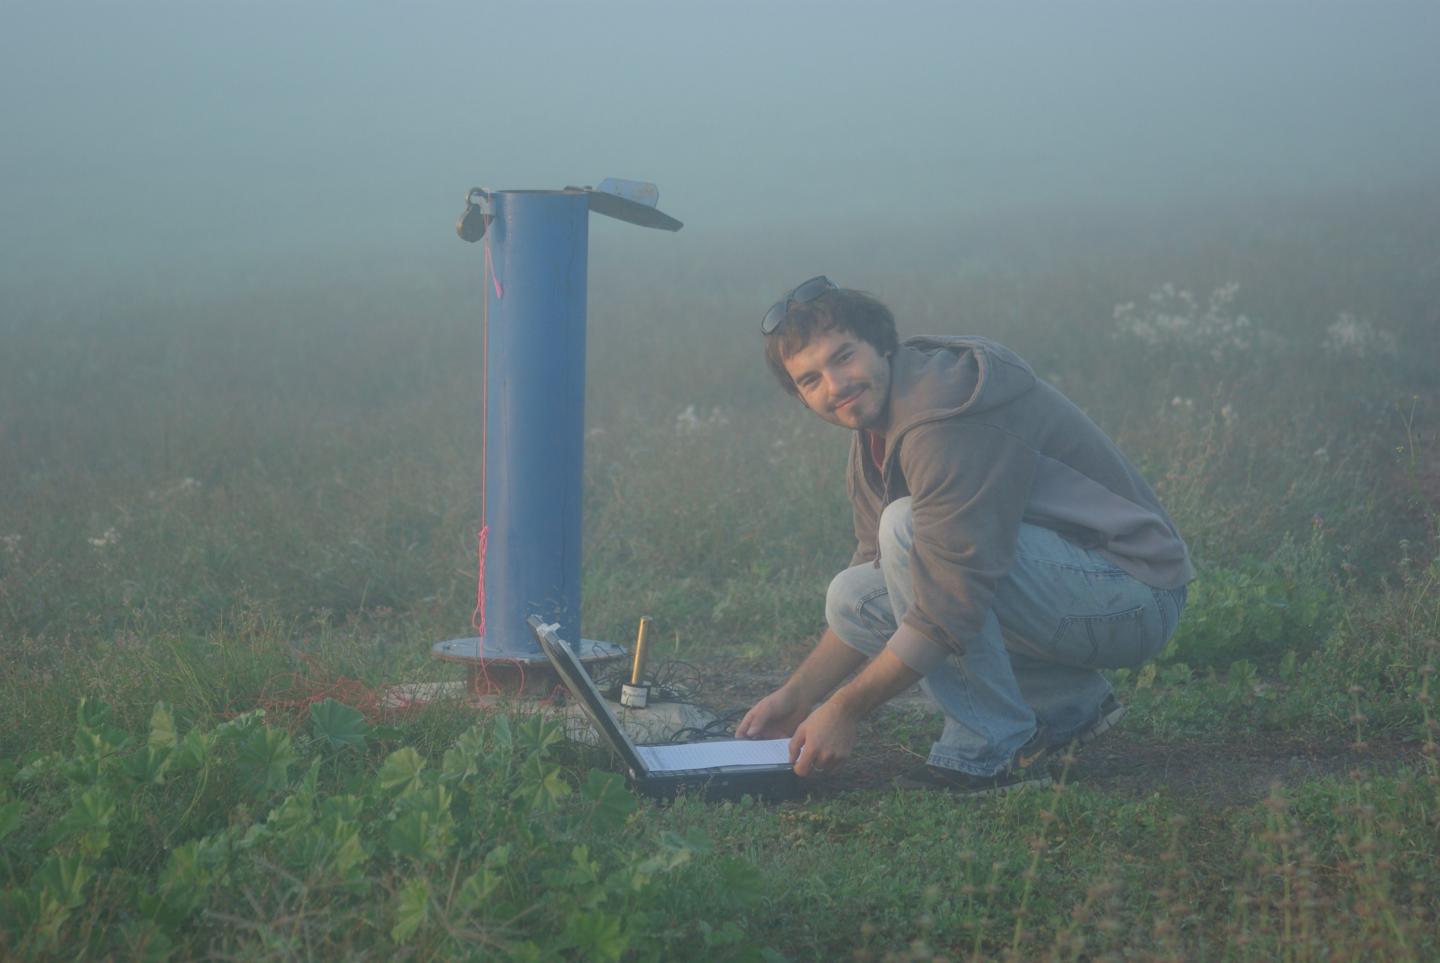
point(261, 500)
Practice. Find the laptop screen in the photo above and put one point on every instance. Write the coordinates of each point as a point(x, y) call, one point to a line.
point(578, 681)
point(644, 760)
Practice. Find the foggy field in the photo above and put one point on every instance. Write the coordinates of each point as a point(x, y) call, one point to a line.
point(241, 377)
point(254, 500)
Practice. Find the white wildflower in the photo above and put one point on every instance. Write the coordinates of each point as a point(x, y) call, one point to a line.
point(1174, 317)
point(1227, 413)
point(689, 421)
point(1321, 454)
point(109, 538)
point(11, 543)
point(1357, 337)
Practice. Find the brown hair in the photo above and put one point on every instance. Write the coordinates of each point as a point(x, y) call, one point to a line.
point(843, 309)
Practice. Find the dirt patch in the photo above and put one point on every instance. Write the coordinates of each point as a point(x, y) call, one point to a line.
point(1224, 772)
point(1228, 773)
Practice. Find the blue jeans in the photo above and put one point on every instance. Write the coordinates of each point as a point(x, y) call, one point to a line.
point(1059, 616)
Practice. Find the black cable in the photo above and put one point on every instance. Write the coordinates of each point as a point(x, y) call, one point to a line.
point(721, 727)
point(671, 681)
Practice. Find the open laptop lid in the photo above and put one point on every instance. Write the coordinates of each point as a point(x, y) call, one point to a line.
point(582, 687)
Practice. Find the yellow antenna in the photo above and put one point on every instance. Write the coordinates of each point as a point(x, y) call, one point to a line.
point(641, 637)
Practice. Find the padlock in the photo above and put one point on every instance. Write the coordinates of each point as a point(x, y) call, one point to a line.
point(472, 223)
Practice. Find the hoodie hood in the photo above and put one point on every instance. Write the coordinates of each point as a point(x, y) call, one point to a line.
point(937, 377)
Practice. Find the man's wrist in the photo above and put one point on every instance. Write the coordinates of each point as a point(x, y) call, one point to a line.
point(850, 704)
point(883, 679)
point(799, 693)
point(824, 668)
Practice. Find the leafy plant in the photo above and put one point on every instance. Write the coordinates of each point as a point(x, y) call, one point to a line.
point(338, 725)
point(501, 838)
point(1258, 612)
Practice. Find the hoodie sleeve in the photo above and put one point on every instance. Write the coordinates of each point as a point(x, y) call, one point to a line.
point(968, 484)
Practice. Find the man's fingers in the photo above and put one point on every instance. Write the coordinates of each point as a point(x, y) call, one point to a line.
point(807, 760)
point(754, 724)
point(759, 721)
point(810, 763)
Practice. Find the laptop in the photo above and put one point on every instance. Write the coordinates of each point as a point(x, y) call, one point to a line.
point(713, 769)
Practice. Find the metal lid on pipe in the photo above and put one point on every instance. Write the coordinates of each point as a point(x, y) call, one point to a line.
point(630, 201)
point(633, 202)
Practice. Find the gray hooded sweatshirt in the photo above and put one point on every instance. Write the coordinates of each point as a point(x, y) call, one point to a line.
point(981, 445)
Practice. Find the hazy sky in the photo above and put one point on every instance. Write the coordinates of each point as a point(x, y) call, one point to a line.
point(147, 137)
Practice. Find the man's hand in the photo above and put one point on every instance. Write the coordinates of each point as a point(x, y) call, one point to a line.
point(775, 716)
point(824, 740)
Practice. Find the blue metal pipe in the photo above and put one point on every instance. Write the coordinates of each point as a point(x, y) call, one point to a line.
point(533, 474)
point(535, 416)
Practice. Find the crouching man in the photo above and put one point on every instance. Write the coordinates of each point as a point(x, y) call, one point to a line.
point(1007, 551)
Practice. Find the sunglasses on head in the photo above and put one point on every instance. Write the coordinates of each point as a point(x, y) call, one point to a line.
point(800, 294)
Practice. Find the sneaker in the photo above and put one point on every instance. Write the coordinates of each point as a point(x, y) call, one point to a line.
point(963, 784)
point(1109, 716)
point(1029, 769)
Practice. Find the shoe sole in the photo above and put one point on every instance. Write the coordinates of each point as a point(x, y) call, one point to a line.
point(1102, 725)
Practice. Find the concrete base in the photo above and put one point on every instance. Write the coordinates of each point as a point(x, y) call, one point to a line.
point(657, 722)
point(498, 667)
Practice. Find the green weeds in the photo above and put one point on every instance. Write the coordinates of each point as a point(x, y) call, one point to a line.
point(1258, 611)
point(245, 838)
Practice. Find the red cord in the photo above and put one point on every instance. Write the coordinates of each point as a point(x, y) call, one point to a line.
point(477, 618)
point(295, 692)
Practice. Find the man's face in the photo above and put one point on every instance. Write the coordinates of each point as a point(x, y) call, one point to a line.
point(843, 379)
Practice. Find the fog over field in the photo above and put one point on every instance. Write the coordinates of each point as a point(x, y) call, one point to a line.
point(204, 145)
point(242, 470)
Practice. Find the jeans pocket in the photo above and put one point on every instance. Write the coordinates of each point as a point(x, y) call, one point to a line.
point(1111, 641)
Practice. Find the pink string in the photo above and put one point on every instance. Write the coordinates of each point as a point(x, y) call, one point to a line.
point(485, 686)
point(477, 618)
point(490, 266)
